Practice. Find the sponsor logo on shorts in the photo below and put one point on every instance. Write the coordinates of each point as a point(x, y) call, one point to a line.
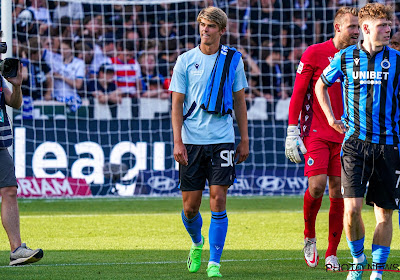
point(310, 161)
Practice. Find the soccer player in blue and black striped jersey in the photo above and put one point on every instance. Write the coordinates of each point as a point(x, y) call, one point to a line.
point(370, 77)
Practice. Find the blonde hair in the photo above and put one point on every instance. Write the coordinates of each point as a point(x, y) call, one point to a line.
point(214, 14)
point(373, 11)
point(343, 11)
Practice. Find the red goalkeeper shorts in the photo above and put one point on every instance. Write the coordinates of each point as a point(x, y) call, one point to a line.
point(322, 157)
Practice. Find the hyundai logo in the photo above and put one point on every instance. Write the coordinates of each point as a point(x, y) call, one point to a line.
point(161, 183)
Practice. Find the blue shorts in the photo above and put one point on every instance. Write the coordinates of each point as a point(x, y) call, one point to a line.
point(214, 163)
point(7, 171)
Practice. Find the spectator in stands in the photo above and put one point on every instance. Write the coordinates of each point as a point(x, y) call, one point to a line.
point(102, 54)
point(62, 29)
point(271, 81)
point(41, 14)
point(241, 9)
point(104, 89)
point(68, 73)
point(251, 66)
point(395, 41)
point(73, 10)
point(27, 26)
point(187, 12)
point(18, 7)
point(37, 79)
point(152, 81)
point(266, 20)
point(168, 55)
point(253, 90)
point(297, 29)
point(232, 35)
point(311, 16)
point(167, 80)
point(291, 63)
point(166, 29)
point(127, 69)
point(91, 29)
point(85, 52)
point(155, 89)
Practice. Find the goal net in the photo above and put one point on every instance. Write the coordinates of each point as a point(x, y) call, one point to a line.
point(96, 113)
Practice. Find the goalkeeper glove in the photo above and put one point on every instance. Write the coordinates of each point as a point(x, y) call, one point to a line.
point(293, 142)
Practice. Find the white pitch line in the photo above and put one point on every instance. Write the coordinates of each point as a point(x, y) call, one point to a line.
point(149, 263)
point(152, 263)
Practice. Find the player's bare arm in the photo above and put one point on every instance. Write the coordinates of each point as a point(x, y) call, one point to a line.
point(180, 153)
point(321, 91)
point(242, 150)
point(14, 98)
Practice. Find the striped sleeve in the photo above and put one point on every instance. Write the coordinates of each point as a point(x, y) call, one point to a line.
point(333, 71)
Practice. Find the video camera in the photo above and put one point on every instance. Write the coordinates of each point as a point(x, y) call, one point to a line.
point(8, 66)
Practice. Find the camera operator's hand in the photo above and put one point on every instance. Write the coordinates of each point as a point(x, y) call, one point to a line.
point(14, 98)
point(17, 80)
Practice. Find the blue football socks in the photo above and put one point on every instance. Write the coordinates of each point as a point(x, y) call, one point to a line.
point(193, 226)
point(380, 255)
point(217, 235)
point(357, 249)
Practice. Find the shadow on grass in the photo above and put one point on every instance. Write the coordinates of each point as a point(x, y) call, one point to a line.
point(170, 264)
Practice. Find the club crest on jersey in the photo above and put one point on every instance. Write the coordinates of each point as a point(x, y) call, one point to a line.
point(300, 67)
point(385, 64)
point(330, 59)
point(197, 72)
point(356, 61)
point(310, 161)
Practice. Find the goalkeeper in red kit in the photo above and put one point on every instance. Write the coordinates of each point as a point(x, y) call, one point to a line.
point(318, 141)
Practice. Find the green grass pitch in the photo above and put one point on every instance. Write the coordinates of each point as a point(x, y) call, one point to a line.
point(140, 238)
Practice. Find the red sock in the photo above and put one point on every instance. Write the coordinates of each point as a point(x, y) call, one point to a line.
point(310, 208)
point(336, 211)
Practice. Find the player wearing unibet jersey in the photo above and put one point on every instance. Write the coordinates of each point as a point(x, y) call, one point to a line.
point(205, 82)
point(322, 143)
point(370, 78)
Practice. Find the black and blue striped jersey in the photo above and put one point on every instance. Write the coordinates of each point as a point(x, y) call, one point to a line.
point(370, 88)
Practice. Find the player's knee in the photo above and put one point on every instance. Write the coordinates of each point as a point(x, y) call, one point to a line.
point(316, 190)
point(9, 193)
point(384, 216)
point(219, 201)
point(353, 213)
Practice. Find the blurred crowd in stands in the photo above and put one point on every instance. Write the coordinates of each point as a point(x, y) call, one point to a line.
point(74, 51)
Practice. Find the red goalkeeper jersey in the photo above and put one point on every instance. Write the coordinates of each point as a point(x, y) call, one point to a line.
point(313, 121)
